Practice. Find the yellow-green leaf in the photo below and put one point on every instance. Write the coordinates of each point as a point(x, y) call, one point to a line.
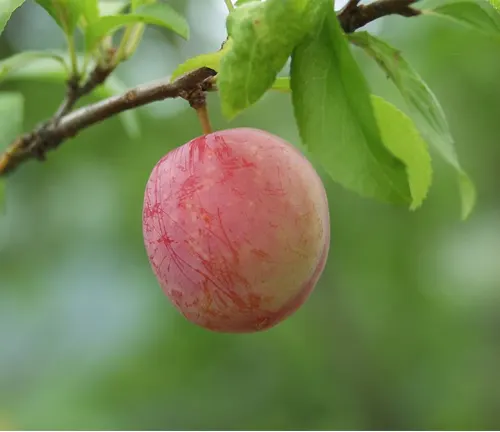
point(403, 140)
point(160, 14)
point(264, 35)
point(423, 105)
point(7, 7)
point(210, 60)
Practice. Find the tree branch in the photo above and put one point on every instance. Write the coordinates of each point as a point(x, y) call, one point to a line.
point(66, 124)
point(50, 135)
point(355, 16)
point(75, 91)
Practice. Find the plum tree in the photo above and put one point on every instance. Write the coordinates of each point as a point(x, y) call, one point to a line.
point(236, 226)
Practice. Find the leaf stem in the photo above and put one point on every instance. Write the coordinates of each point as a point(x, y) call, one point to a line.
point(229, 5)
point(72, 53)
point(134, 40)
point(120, 52)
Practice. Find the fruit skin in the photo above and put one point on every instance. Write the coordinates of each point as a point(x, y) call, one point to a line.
point(237, 230)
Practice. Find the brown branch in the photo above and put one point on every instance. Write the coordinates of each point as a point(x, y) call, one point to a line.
point(72, 91)
point(75, 91)
point(144, 94)
point(355, 16)
point(66, 124)
point(49, 136)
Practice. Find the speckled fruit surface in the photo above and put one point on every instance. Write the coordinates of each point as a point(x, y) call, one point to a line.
point(237, 230)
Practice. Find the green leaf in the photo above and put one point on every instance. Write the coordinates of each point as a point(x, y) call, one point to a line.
point(135, 4)
point(470, 14)
point(495, 4)
point(336, 120)
point(112, 7)
point(264, 35)
point(242, 2)
point(211, 60)
point(7, 7)
point(39, 69)
point(423, 105)
point(91, 10)
point(159, 14)
point(403, 140)
point(282, 84)
point(22, 59)
point(66, 13)
point(467, 192)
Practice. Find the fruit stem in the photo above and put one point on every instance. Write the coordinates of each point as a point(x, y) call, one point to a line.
point(202, 112)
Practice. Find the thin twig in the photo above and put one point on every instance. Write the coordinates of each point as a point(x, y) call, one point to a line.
point(66, 124)
point(72, 90)
point(49, 136)
point(76, 91)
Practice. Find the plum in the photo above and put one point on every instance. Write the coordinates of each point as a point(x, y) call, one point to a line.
point(237, 229)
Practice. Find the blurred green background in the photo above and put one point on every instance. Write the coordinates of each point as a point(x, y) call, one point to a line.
point(402, 332)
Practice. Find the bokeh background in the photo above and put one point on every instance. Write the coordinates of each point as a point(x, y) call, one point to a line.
point(402, 332)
